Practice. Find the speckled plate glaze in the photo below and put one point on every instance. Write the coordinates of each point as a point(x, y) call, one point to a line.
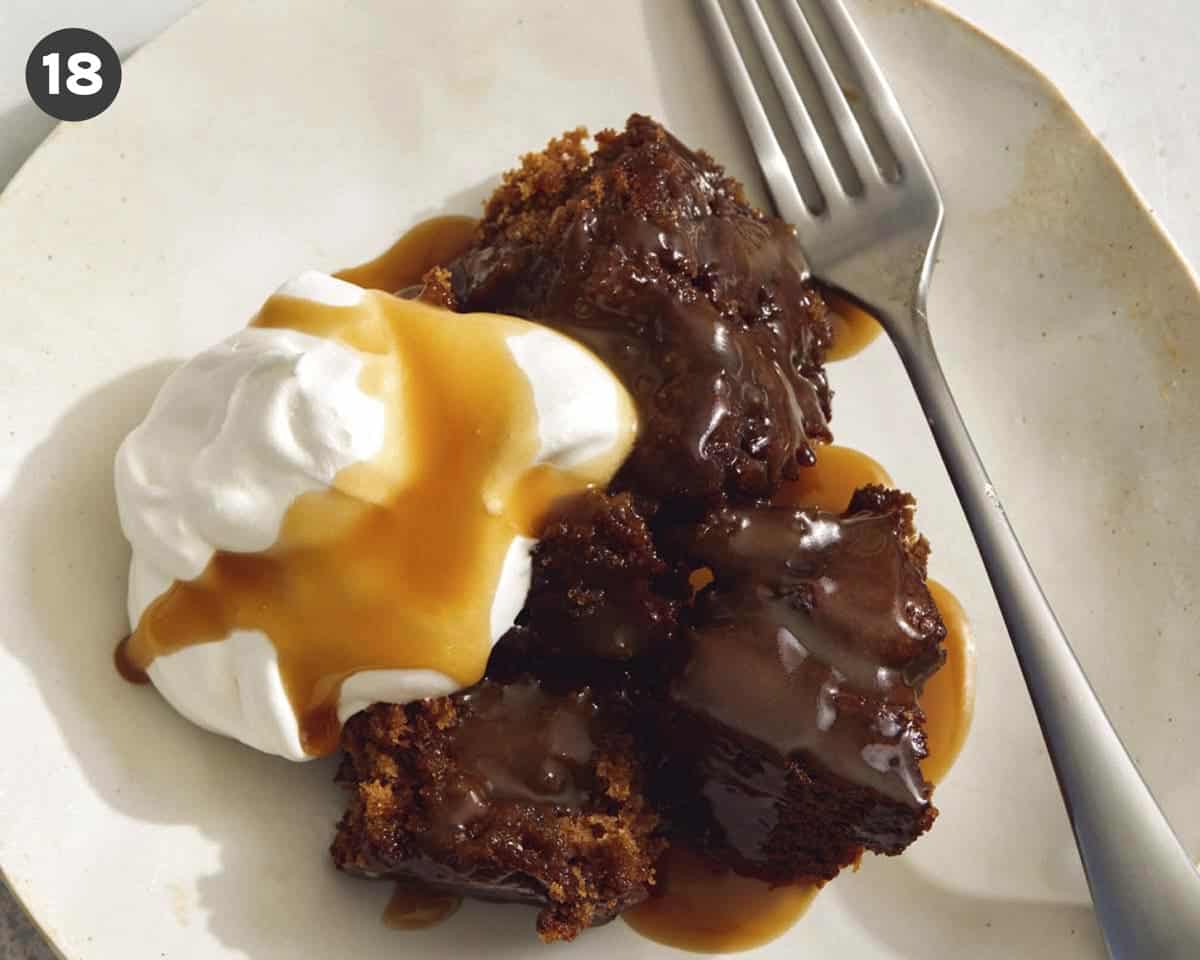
point(253, 140)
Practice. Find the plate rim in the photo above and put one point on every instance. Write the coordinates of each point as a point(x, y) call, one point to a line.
point(1066, 113)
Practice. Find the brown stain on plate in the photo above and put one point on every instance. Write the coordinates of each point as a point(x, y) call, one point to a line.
point(888, 8)
point(1118, 247)
point(180, 903)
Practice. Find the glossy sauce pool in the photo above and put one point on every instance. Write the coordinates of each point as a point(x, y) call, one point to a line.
point(428, 244)
point(707, 910)
point(413, 907)
point(853, 328)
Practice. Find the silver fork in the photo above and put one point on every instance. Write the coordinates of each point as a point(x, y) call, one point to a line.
point(868, 215)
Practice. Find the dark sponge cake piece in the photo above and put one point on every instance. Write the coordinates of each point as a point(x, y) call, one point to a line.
point(793, 735)
point(646, 252)
point(507, 792)
point(599, 586)
point(603, 605)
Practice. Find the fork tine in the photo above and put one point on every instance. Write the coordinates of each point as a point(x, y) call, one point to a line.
point(853, 138)
point(797, 111)
point(880, 98)
point(771, 159)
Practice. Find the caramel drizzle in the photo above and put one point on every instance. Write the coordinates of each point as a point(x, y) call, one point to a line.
point(948, 697)
point(428, 244)
point(396, 565)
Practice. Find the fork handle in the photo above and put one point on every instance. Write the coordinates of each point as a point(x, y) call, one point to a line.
point(1145, 889)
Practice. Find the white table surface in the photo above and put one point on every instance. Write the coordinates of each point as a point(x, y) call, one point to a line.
point(1127, 67)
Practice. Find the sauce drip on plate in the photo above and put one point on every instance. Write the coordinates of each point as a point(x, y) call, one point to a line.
point(428, 244)
point(831, 481)
point(705, 909)
point(413, 907)
point(948, 698)
point(853, 328)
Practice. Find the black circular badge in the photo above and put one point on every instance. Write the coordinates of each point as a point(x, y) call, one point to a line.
point(73, 74)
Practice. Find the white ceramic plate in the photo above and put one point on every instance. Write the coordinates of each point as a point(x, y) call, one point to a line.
point(255, 139)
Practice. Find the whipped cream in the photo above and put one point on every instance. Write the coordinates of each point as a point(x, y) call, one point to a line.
point(243, 429)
